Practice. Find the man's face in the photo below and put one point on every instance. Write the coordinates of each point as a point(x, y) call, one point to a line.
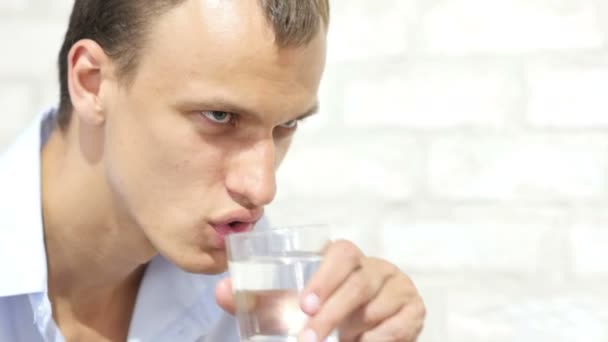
point(191, 146)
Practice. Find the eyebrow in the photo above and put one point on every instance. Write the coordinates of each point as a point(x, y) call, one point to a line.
point(312, 111)
point(231, 107)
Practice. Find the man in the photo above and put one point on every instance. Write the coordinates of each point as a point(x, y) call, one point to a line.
point(173, 119)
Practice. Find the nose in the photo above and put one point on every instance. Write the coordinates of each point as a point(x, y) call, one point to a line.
point(251, 179)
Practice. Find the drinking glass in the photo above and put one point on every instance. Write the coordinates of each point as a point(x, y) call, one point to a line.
point(269, 269)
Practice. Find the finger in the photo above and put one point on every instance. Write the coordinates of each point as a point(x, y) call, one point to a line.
point(396, 293)
point(224, 297)
point(405, 326)
point(357, 290)
point(340, 260)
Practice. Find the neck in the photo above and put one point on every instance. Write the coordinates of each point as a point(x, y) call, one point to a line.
point(96, 256)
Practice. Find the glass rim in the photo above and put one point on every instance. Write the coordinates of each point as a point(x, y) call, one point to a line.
point(278, 231)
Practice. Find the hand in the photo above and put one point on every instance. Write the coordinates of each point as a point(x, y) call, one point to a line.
point(367, 299)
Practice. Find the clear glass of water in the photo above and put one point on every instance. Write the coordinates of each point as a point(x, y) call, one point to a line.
point(269, 269)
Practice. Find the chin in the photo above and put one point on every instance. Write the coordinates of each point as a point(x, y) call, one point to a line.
point(204, 262)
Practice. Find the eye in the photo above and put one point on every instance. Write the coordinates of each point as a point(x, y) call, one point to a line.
point(291, 124)
point(218, 117)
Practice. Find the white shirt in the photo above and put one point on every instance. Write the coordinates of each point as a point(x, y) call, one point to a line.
point(171, 305)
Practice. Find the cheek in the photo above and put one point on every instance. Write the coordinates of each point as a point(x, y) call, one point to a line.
point(139, 158)
point(128, 163)
point(165, 174)
point(145, 146)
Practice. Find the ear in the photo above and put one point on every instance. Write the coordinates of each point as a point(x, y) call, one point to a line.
point(86, 64)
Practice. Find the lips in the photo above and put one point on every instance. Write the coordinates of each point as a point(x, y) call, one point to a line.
point(233, 227)
point(239, 221)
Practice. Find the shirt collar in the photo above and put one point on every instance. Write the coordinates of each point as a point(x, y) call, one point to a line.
point(173, 303)
point(22, 253)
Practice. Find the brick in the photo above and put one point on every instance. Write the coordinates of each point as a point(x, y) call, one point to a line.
point(510, 168)
point(33, 49)
point(567, 96)
point(433, 95)
point(7, 6)
point(461, 27)
point(62, 8)
point(449, 246)
point(433, 294)
point(352, 166)
point(529, 313)
point(589, 249)
point(369, 30)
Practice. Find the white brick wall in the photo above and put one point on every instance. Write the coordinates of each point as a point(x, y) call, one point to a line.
point(465, 140)
point(13, 5)
point(16, 95)
point(432, 95)
point(364, 169)
point(352, 42)
point(519, 167)
point(463, 27)
point(488, 312)
point(449, 246)
point(568, 95)
point(589, 241)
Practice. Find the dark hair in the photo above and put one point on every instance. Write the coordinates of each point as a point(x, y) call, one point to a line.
point(120, 27)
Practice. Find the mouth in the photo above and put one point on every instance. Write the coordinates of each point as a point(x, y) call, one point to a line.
point(235, 222)
point(233, 227)
point(223, 230)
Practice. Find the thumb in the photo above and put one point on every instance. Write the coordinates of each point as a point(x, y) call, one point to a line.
point(223, 295)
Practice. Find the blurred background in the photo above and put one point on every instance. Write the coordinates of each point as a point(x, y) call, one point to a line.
point(464, 140)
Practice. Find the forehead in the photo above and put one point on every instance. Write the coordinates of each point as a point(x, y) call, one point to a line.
point(228, 47)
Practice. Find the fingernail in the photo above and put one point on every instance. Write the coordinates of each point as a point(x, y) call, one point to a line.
point(308, 336)
point(311, 303)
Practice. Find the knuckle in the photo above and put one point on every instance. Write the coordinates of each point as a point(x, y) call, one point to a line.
point(408, 286)
point(414, 329)
point(399, 334)
point(408, 282)
point(348, 252)
point(361, 286)
point(391, 268)
point(420, 307)
point(370, 317)
point(412, 335)
point(385, 265)
point(382, 268)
